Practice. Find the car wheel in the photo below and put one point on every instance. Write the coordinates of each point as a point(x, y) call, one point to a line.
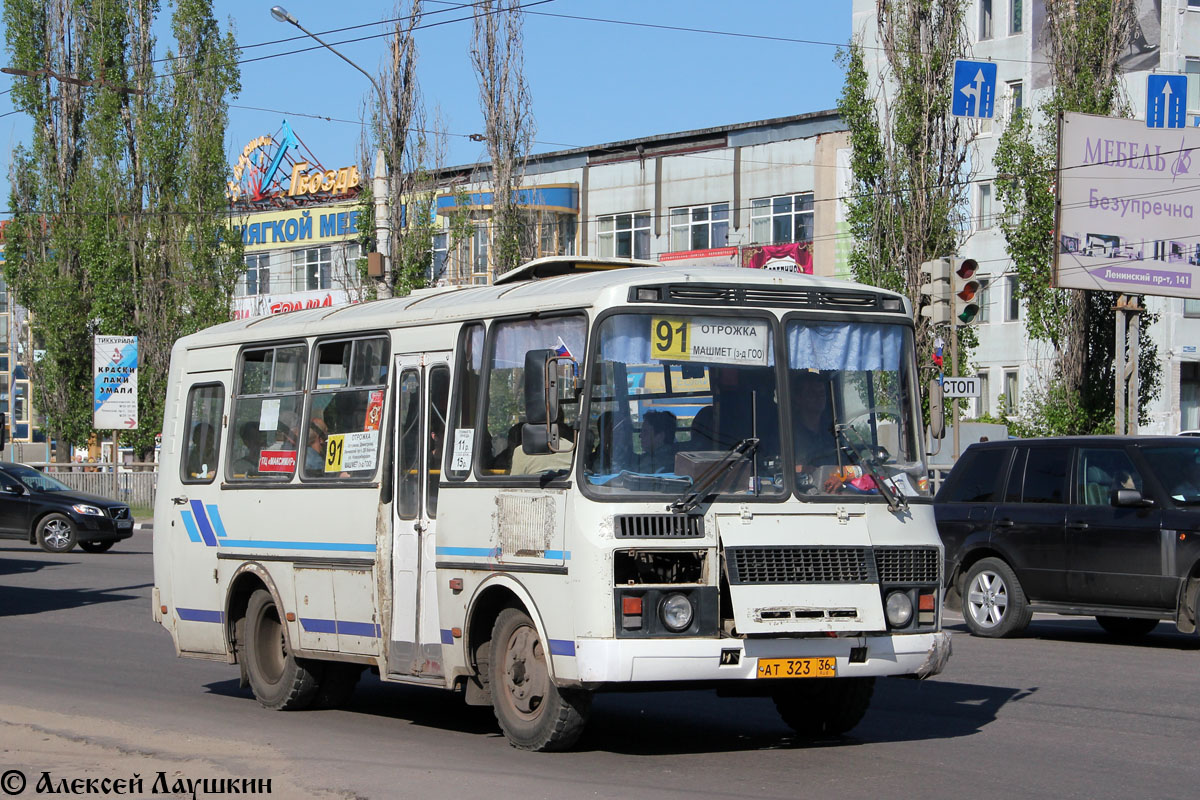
point(533, 713)
point(1127, 627)
point(97, 547)
point(279, 680)
point(823, 706)
point(994, 604)
point(56, 534)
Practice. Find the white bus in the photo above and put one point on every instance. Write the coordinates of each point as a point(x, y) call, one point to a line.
point(593, 474)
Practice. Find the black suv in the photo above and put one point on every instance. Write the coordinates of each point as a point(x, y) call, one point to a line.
point(38, 508)
point(1099, 525)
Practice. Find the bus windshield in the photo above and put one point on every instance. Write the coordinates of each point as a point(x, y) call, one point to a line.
point(855, 411)
point(680, 401)
point(671, 398)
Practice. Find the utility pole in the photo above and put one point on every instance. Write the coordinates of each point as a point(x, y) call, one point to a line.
point(1129, 309)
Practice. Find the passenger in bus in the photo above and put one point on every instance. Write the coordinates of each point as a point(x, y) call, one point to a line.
point(246, 464)
point(658, 442)
point(704, 430)
point(614, 448)
point(537, 463)
point(202, 455)
point(814, 442)
point(314, 454)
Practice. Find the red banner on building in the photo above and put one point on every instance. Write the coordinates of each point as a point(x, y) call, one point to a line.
point(790, 257)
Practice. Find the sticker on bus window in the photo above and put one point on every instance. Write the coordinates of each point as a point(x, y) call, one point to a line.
point(350, 452)
point(277, 461)
point(268, 415)
point(464, 443)
point(710, 339)
point(374, 411)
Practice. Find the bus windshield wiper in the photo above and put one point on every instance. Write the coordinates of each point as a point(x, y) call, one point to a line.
point(891, 493)
point(710, 476)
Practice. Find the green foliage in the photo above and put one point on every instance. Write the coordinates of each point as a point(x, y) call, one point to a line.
point(1085, 44)
point(119, 211)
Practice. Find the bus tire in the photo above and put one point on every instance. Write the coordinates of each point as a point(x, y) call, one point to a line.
point(815, 707)
point(279, 680)
point(533, 713)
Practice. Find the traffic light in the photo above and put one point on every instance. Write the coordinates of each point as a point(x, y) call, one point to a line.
point(935, 284)
point(966, 289)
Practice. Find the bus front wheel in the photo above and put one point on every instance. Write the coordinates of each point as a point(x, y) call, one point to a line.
point(533, 713)
point(814, 707)
point(279, 680)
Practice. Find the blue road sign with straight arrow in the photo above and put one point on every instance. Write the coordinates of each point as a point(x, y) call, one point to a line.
point(974, 89)
point(1165, 95)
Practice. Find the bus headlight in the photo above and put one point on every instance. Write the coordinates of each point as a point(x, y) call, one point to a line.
point(676, 612)
point(899, 609)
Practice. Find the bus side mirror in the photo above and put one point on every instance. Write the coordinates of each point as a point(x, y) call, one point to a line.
point(937, 414)
point(541, 388)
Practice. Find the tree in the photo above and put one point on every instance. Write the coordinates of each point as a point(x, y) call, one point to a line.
point(497, 53)
point(909, 156)
point(132, 238)
point(1084, 42)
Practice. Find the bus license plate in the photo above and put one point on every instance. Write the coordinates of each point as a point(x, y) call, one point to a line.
point(797, 667)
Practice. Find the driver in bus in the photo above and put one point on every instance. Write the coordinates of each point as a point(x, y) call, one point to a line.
point(813, 440)
point(658, 442)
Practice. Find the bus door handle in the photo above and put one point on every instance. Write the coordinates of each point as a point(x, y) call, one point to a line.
point(418, 526)
point(179, 501)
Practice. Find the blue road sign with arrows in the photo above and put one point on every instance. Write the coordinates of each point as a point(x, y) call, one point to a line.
point(974, 89)
point(1165, 101)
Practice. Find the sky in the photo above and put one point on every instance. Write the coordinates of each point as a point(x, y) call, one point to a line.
point(599, 70)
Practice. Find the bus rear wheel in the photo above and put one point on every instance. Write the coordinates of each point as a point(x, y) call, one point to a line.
point(533, 713)
point(814, 707)
point(279, 680)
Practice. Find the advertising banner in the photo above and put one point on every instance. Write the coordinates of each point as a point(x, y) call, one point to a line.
point(114, 371)
point(1129, 207)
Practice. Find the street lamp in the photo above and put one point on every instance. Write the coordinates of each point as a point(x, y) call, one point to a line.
point(380, 178)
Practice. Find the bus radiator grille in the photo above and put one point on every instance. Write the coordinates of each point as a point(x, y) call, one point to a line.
point(658, 526)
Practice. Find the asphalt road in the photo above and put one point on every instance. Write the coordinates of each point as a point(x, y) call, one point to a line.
point(90, 688)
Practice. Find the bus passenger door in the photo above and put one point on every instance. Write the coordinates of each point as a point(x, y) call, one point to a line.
point(414, 646)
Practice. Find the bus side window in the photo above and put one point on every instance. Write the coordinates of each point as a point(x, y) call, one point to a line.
point(439, 396)
point(268, 403)
point(206, 405)
point(346, 414)
point(466, 398)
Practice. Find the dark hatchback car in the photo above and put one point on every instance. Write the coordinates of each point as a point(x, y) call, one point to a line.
point(38, 508)
point(1105, 526)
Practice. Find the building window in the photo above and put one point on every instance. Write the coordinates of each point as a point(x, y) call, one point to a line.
point(556, 233)
point(985, 219)
point(1012, 311)
point(441, 257)
point(699, 227)
point(480, 244)
point(778, 220)
point(1189, 396)
point(1012, 390)
point(257, 278)
point(312, 269)
point(1016, 97)
point(1015, 11)
point(21, 401)
point(1191, 308)
point(624, 236)
point(985, 19)
point(3, 296)
point(1192, 68)
point(982, 405)
point(985, 298)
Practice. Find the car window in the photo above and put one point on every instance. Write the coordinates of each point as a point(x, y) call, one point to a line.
point(7, 482)
point(1102, 471)
point(978, 477)
point(1178, 471)
point(1046, 475)
point(1016, 476)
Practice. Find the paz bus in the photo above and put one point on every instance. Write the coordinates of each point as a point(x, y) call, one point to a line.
point(592, 475)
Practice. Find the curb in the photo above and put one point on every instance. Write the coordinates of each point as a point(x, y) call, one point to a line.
point(143, 527)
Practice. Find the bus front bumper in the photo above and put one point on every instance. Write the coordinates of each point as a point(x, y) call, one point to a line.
point(920, 655)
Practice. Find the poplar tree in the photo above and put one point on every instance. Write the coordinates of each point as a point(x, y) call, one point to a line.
point(119, 209)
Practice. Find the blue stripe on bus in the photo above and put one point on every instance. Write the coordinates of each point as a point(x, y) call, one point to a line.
point(478, 552)
point(315, 625)
point(206, 531)
point(214, 516)
point(447, 636)
point(558, 555)
point(562, 647)
point(189, 523)
point(267, 544)
point(199, 615)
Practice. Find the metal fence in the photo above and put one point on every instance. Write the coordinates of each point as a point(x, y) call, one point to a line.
point(134, 483)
